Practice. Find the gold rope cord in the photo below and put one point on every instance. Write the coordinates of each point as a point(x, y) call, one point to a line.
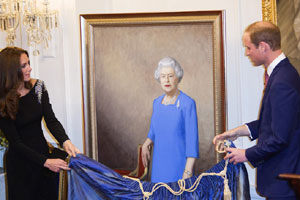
point(220, 148)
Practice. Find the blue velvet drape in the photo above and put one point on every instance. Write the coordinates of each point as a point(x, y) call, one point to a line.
point(89, 180)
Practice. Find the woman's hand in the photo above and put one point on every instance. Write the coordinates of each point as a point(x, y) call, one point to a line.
point(146, 151)
point(189, 168)
point(186, 175)
point(70, 148)
point(56, 164)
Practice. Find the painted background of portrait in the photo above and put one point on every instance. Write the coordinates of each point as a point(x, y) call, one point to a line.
point(288, 20)
point(125, 90)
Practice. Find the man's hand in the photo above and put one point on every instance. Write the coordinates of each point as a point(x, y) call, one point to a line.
point(236, 156)
point(232, 134)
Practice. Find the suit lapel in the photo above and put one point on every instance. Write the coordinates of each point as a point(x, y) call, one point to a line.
point(270, 81)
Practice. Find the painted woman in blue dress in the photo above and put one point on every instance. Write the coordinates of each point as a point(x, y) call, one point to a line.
point(173, 130)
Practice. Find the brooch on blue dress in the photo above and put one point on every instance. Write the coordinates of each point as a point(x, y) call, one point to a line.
point(178, 103)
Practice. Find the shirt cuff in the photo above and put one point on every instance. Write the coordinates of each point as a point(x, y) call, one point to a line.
point(250, 135)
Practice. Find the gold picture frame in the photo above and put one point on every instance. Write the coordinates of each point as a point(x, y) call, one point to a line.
point(285, 15)
point(115, 46)
point(269, 11)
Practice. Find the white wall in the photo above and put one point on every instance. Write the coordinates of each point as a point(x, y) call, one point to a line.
point(63, 72)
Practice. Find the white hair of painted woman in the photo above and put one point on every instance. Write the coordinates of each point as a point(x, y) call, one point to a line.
point(169, 62)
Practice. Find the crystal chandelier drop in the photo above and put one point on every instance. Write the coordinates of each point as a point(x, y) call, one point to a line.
point(36, 18)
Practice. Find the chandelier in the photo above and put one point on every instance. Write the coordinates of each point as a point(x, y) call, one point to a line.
point(37, 19)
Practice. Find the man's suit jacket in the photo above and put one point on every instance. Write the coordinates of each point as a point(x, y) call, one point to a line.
point(278, 132)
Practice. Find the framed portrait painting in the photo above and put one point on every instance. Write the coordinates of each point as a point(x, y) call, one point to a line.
point(120, 53)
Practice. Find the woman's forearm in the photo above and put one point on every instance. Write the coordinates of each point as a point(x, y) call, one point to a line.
point(146, 151)
point(148, 142)
point(189, 166)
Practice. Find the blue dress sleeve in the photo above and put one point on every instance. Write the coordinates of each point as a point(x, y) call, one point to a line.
point(151, 134)
point(191, 130)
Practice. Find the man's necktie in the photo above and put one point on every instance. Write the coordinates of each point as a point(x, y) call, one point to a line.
point(266, 77)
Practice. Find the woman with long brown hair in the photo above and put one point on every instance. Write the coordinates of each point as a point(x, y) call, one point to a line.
point(23, 103)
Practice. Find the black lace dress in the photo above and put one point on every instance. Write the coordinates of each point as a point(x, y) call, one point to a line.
point(27, 178)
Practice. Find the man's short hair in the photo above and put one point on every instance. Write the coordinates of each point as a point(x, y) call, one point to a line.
point(265, 32)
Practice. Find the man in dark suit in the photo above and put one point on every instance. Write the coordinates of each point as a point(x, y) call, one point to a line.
point(278, 128)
